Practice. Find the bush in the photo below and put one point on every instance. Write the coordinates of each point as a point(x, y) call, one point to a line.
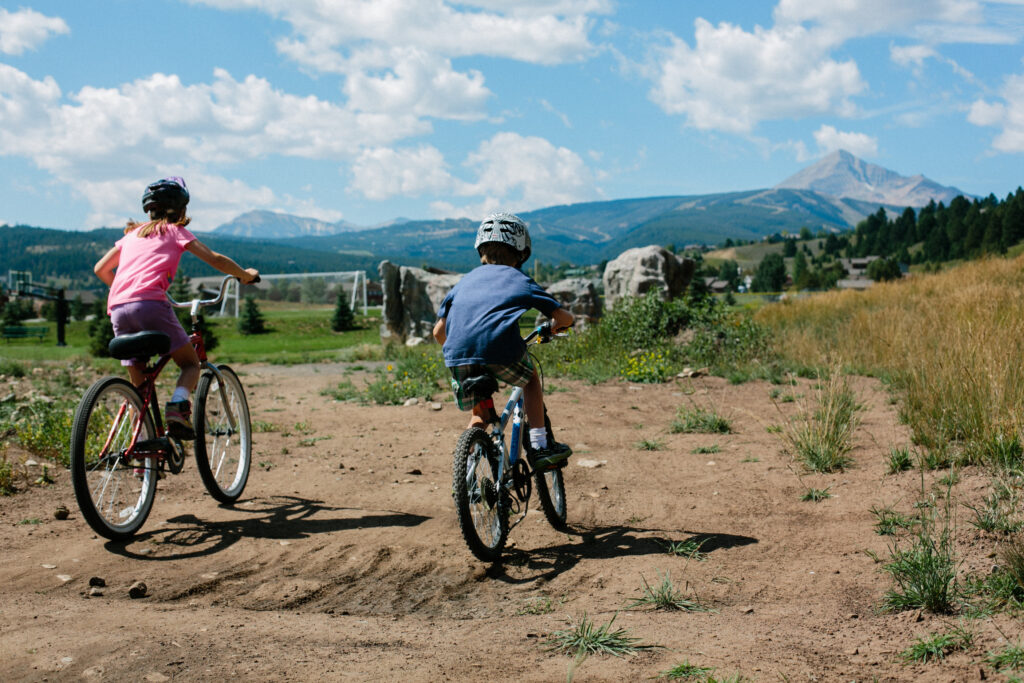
point(413, 375)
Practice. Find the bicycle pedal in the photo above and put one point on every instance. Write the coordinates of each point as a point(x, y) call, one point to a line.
point(148, 447)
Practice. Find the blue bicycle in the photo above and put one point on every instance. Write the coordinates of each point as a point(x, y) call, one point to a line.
point(491, 482)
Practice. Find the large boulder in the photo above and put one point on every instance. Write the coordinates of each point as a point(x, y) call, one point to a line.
point(411, 299)
point(578, 295)
point(638, 271)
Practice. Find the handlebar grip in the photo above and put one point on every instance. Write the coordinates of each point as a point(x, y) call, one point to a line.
point(255, 280)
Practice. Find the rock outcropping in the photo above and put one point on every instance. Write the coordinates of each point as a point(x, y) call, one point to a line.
point(578, 296)
point(638, 271)
point(411, 299)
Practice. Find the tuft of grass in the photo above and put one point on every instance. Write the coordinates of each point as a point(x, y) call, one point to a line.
point(699, 420)
point(992, 516)
point(259, 426)
point(707, 450)
point(938, 645)
point(688, 672)
point(889, 522)
point(689, 549)
point(924, 572)
point(821, 440)
point(539, 604)
point(649, 445)
point(345, 391)
point(1010, 658)
point(665, 596)
point(900, 460)
point(6, 473)
point(813, 495)
point(587, 638)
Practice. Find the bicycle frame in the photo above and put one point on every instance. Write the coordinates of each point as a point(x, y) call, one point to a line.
point(513, 412)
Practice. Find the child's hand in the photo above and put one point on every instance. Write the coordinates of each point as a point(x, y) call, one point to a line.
point(253, 276)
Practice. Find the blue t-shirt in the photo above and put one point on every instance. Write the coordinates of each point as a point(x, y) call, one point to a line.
point(482, 315)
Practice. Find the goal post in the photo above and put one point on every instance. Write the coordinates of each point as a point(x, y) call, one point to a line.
point(354, 282)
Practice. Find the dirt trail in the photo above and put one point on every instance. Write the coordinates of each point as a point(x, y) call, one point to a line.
point(344, 562)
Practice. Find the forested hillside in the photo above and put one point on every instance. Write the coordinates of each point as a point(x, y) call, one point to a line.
point(67, 257)
point(963, 230)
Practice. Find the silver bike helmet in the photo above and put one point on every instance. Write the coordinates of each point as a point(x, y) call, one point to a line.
point(506, 228)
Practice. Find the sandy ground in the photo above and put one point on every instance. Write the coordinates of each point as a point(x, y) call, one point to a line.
point(343, 560)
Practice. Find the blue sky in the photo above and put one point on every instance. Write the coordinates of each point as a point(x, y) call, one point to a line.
point(367, 110)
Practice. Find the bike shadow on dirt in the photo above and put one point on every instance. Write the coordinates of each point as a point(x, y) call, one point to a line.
point(280, 518)
point(606, 542)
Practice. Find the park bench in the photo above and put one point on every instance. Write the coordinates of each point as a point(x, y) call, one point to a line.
point(10, 332)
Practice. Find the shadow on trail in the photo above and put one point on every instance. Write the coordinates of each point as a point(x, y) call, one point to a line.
point(278, 517)
point(602, 543)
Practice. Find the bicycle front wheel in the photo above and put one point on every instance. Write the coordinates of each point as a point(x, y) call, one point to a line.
point(114, 493)
point(223, 434)
point(479, 502)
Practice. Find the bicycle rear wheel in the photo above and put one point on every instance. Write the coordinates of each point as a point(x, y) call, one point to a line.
point(551, 492)
point(115, 494)
point(223, 435)
point(479, 502)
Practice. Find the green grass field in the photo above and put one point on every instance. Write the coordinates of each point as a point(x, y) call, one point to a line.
point(297, 333)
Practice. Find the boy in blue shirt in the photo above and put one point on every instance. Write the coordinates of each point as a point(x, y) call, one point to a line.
point(478, 325)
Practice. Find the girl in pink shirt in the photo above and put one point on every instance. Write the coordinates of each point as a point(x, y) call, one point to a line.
point(146, 260)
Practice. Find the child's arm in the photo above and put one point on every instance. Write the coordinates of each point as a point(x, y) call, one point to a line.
point(104, 268)
point(440, 333)
point(221, 262)
point(561, 319)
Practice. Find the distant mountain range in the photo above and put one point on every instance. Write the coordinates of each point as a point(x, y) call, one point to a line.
point(840, 174)
point(833, 195)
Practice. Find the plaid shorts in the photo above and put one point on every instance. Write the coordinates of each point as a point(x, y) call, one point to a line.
point(517, 374)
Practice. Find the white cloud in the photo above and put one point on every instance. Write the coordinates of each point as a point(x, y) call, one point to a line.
point(118, 139)
point(26, 29)
point(1008, 115)
point(859, 144)
point(508, 170)
point(381, 173)
point(843, 19)
point(422, 84)
point(397, 53)
point(731, 79)
point(528, 172)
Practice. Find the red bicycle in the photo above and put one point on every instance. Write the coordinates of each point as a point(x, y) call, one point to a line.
point(119, 447)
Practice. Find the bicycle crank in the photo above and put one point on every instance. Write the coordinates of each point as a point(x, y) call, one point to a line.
point(521, 480)
point(175, 456)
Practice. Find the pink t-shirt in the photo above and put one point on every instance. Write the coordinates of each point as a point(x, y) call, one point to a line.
point(147, 265)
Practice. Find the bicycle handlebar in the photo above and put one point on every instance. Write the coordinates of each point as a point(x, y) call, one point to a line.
point(195, 304)
point(544, 333)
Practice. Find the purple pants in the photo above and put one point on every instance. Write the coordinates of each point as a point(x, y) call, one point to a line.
point(147, 316)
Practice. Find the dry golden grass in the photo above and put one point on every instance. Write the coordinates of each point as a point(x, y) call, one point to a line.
point(952, 341)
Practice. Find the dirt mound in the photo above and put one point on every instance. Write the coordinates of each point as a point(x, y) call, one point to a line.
point(344, 561)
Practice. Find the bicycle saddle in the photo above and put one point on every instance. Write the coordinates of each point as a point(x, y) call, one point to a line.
point(479, 384)
point(139, 345)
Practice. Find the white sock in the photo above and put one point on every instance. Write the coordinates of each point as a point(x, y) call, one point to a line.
point(538, 438)
point(180, 394)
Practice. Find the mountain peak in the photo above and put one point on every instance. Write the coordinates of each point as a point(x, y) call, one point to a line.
point(843, 175)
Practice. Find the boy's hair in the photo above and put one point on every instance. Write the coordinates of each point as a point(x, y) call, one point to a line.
point(158, 222)
point(499, 254)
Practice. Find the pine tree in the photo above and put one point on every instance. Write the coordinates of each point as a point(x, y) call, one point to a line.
point(100, 330)
point(343, 318)
point(251, 320)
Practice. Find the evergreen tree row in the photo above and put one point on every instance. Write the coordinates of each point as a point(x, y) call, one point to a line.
point(963, 230)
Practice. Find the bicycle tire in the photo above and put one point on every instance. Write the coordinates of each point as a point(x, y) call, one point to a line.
point(551, 486)
point(551, 493)
point(223, 451)
point(115, 496)
point(479, 503)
